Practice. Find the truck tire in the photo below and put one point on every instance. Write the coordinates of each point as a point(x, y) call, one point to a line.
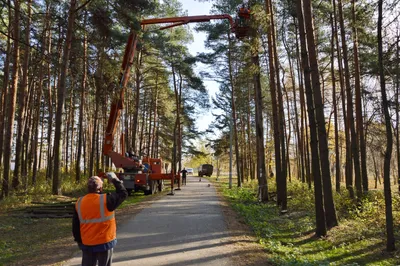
point(129, 192)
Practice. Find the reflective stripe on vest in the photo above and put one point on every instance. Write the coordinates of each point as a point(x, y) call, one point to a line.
point(102, 218)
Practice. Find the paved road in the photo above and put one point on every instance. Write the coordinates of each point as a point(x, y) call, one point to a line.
point(185, 229)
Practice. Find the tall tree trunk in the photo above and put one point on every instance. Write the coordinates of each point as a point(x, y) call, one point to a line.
point(22, 95)
point(50, 93)
point(334, 103)
point(319, 200)
point(261, 172)
point(6, 72)
point(233, 106)
point(359, 115)
point(249, 137)
point(299, 152)
point(82, 104)
point(304, 147)
point(349, 165)
point(282, 192)
point(330, 212)
point(138, 77)
point(61, 99)
point(350, 116)
point(390, 244)
point(275, 108)
point(397, 106)
point(11, 100)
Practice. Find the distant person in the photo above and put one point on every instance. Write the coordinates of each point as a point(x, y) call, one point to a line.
point(93, 222)
point(184, 173)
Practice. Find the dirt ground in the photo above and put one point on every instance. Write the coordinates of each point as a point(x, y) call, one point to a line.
point(246, 249)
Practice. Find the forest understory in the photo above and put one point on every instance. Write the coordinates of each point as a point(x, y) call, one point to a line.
point(271, 237)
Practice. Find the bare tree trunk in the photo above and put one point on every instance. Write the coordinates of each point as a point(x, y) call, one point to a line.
point(138, 77)
point(299, 152)
point(82, 104)
point(234, 115)
point(261, 171)
point(22, 95)
point(350, 116)
point(287, 134)
point(66, 130)
point(397, 107)
point(359, 115)
point(61, 99)
point(304, 147)
point(349, 165)
point(282, 192)
point(49, 172)
point(275, 108)
point(11, 100)
point(334, 103)
point(6, 72)
point(155, 123)
point(330, 212)
point(390, 244)
point(319, 200)
point(376, 168)
point(249, 136)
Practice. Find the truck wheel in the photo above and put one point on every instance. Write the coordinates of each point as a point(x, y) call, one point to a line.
point(147, 192)
point(129, 192)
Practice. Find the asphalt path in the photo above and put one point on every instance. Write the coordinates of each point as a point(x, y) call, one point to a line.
point(187, 228)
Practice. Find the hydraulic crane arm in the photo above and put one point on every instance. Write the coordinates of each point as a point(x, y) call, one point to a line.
point(189, 19)
point(117, 105)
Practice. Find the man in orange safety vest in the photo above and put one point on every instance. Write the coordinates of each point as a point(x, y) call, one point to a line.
point(93, 223)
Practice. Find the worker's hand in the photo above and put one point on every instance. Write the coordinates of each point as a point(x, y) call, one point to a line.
point(111, 176)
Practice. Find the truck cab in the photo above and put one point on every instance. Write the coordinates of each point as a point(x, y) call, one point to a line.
point(205, 170)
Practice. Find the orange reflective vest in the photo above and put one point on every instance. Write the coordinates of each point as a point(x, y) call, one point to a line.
point(97, 223)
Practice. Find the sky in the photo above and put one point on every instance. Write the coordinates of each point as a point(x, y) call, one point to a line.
point(196, 8)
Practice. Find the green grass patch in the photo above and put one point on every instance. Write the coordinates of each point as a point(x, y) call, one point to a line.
point(290, 240)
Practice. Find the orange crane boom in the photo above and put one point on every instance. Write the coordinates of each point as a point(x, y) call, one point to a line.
point(130, 50)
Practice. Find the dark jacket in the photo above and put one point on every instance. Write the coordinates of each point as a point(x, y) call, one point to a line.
point(184, 173)
point(114, 199)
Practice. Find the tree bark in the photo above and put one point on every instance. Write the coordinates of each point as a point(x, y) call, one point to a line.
point(61, 99)
point(275, 108)
point(350, 116)
point(330, 212)
point(397, 107)
point(233, 106)
point(390, 240)
point(319, 200)
point(4, 94)
point(334, 103)
point(82, 104)
point(282, 192)
point(359, 115)
point(261, 172)
point(11, 100)
point(22, 95)
point(137, 101)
